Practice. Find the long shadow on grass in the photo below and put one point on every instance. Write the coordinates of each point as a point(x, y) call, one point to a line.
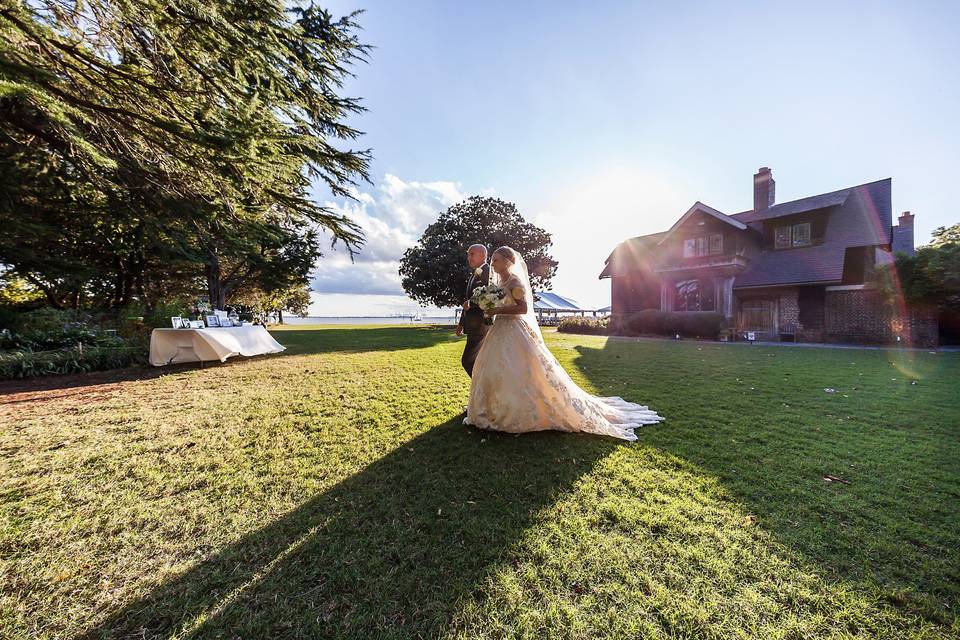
point(65, 383)
point(360, 339)
point(389, 552)
point(891, 532)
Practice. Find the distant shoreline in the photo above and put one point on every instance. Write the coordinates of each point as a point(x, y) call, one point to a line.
point(402, 320)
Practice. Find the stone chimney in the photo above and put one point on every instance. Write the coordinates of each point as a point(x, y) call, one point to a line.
point(763, 188)
point(902, 236)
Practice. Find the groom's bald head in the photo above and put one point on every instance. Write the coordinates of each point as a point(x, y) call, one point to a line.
point(476, 255)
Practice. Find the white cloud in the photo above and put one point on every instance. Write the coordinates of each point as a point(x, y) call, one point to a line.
point(588, 217)
point(392, 217)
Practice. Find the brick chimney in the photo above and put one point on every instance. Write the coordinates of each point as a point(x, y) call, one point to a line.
point(763, 188)
point(902, 237)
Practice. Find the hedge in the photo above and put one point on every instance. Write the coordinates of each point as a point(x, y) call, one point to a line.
point(690, 324)
point(579, 324)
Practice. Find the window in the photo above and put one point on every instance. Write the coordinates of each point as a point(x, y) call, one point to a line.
point(716, 243)
point(687, 297)
point(703, 245)
point(707, 296)
point(801, 234)
point(782, 240)
point(797, 235)
point(694, 295)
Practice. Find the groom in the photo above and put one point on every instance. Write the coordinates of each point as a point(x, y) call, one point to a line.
point(471, 320)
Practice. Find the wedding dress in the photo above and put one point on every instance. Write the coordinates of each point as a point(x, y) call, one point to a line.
point(519, 386)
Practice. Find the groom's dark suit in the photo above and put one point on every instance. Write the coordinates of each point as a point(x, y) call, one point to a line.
point(472, 321)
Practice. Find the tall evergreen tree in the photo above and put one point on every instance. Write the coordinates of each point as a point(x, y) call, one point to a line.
point(139, 135)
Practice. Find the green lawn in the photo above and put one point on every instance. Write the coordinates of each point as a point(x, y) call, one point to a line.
point(332, 491)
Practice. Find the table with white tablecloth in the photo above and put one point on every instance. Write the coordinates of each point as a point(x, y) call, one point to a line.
point(172, 346)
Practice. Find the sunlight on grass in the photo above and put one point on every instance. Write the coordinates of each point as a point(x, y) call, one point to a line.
point(332, 491)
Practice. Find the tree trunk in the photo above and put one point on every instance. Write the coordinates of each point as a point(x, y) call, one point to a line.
point(215, 288)
point(280, 315)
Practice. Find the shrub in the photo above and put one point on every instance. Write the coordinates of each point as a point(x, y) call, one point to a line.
point(698, 324)
point(649, 321)
point(54, 341)
point(579, 324)
point(60, 338)
point(28, 364)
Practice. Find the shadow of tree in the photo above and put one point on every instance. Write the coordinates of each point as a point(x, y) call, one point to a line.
point(753, 419)
point(15, 391)
point(388, 552)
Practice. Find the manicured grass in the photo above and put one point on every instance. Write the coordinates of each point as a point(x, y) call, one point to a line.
point(331, 491)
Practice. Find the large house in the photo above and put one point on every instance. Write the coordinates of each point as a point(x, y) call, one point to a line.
point(801, 270)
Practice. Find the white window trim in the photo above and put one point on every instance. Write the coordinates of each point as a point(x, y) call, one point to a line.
point(845, 287)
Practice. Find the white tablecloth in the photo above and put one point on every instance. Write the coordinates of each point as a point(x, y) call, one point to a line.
point(170, 346)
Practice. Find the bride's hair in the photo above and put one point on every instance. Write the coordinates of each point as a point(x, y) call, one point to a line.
point(507, 253)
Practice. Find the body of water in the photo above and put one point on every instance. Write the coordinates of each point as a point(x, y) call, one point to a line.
point(368, 320)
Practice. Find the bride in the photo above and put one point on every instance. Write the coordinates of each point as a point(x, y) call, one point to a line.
point(517, 383)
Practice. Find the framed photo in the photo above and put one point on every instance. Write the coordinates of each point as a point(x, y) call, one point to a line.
point(213, 321)
point(196, 324)
point(176, 322)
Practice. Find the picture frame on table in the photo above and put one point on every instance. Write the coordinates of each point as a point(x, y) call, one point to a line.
point(213, 321)
point(196, 324)
point(176, 322)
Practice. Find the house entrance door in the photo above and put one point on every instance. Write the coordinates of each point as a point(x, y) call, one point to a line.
point(759, 316)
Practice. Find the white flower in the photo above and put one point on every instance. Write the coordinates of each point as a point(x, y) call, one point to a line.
point(478, 271)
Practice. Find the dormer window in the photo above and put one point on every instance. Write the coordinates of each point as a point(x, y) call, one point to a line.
point(797, 235)
point(703, 245)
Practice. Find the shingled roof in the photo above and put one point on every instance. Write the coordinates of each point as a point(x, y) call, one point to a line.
point(811, 203)
point(861, 217)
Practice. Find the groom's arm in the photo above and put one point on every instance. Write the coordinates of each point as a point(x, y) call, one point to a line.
point(463, 312)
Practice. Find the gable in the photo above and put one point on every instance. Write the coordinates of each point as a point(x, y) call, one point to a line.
point(699, 208)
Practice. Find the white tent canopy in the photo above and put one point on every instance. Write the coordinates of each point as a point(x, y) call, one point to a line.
point(550, 306)
point(550, 301)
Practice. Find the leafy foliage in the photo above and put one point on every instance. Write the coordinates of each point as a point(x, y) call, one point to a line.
point(148, 147)
point(29, 364)
point(434, 270)
point(931, 275)
point(17, 292)
point(262, 304)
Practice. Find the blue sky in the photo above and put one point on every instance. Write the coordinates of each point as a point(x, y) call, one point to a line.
point(606, 120)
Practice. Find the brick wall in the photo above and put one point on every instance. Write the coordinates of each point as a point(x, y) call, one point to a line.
point(789, 309)
point(862, 316)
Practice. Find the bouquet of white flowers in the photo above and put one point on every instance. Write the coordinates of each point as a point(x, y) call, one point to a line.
point(488, 298)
